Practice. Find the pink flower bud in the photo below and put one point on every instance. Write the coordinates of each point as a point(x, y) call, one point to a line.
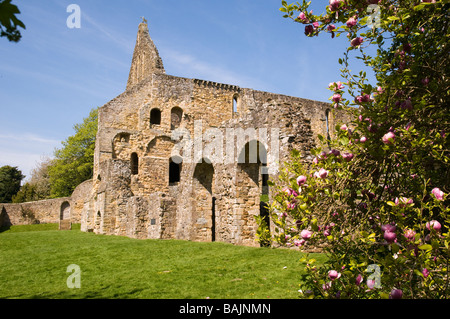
point(351, 22)
point(336, 98)
point(344, 128)
point(389, 236)
point(302, 17)
point(306, 234)
point(334, 5)
point(403, 201)
point(388, 227)
point(359, 280)
point(435, 224)
point(323, 173)
point(347, 157)
point(388, 138)
point(425, 272)
point(333, 274)
point(356, 41)
point(301, 180)
point(396, 294)
point(438, 193)
point(410, 235)
point(363, 139)
point(309, 29)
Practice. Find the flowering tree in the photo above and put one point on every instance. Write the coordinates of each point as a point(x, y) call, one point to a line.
point(375, 198)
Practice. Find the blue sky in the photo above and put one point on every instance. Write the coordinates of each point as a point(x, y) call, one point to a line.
point(55, 75)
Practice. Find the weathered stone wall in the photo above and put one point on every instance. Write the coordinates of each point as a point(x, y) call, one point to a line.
point(48, 211)
point(218, 192)
point(40, 212)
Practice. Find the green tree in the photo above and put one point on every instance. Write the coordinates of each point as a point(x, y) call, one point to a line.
point(74, 162)
point(10, 179)
point(376, 196)
point(38, 186)
point(9, 23)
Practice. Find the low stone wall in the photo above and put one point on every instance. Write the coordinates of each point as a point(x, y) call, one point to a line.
point(66, 209)
point(40, 212)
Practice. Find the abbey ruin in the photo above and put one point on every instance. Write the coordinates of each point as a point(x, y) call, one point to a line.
point(180, 158)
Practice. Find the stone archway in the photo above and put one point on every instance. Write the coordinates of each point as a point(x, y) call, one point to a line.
point(251, 187)
point(64, 216)
point(203, 214)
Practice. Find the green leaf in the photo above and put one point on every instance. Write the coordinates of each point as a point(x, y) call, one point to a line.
point(390, 203)
point(425, 247)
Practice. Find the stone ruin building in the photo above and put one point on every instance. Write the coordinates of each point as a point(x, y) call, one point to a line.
point(180, 158)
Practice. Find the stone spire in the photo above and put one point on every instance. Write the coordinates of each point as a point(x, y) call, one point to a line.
point(146, 60)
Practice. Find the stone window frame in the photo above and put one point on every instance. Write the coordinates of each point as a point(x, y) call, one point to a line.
point(134, 161)
point(176, 110)
point(155, 118)
point(236, 103)
point(175, 176)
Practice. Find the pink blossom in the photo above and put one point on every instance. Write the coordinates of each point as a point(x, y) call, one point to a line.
point(331, 27)
point(389, 236)
point(359, 280)
point(362, 98)
point(425, 81)
point(396, 294)
point(410, 235)
point(335, 152)
point(299, 243)
point(403, 201)
point(425, 272)
point(336, 98)
point(292, 205)
point(315, 25)
point(334, 4)
point(438, 193)
point(363, 139)
point(333, 274)
point(323, 173)
point(306, 234)
point(309, 29)
point(303, 17)
point(301, 180)
point(388, 138)
point(344, 127)
point(356, 41)
point(347, 157)
point(370, 283)
point(435, 224)
point(351, 22)
point(388, 227)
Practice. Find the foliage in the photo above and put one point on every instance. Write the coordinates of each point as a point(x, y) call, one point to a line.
point(38, 187)
point(10, 179)
point(375, 198)
point(9, 22)
point(74, 162)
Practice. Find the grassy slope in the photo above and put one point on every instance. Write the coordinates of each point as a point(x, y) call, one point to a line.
point(33, 264)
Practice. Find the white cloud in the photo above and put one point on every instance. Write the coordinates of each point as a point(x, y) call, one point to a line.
point(25, 150)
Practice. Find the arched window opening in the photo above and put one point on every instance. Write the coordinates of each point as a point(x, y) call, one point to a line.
point(175, 170)
point(176, 116)
point(235, 103)
point(65, 211)
point(327, 120)
point(134, 164)
point(155, 117)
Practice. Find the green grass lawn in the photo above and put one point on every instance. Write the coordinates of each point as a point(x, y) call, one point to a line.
point(34, 261)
